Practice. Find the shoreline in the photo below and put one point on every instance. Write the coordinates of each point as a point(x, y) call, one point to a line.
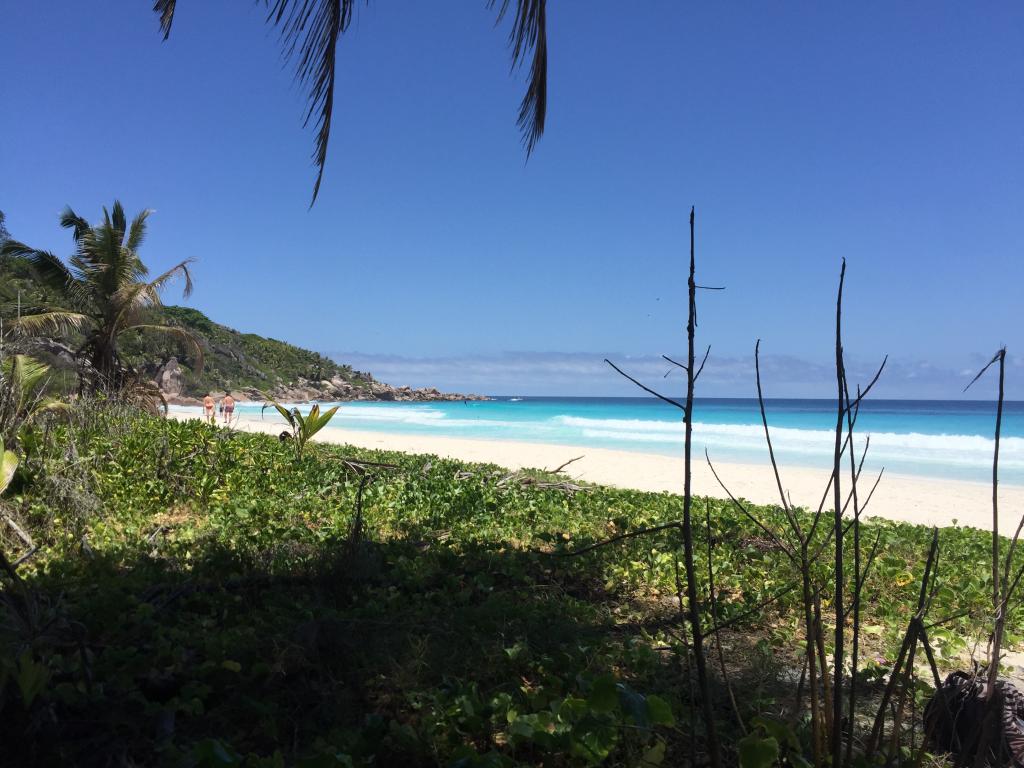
point(908, 498)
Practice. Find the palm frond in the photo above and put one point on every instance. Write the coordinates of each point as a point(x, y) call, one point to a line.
point(186, 338)
point(52, 321)
point(8, 465)
point(137, 231)
point(51, 271)
point(26, 381)
point(165, 10)
point(118, 220)
point(309, 34)
point(145, 395)
point(310, 30)
point(128, 305)
point(48, 405)
point(529, 33)
point(13, 249)
point(26, 373)
point(71, 220)
point(133, 297)
point(288, 415)
point(178, 270)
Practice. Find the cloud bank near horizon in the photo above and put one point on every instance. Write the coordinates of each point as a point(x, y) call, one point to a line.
point(584, 374)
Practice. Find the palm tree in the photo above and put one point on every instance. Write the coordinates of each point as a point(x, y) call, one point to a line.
point(310, 30)
point(104, 291)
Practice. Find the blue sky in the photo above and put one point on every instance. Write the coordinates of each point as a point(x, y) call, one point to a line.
point(888, 134)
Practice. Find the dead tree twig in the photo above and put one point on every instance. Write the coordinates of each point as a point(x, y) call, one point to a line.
point(696, 632)
point(714, 613)
point(837, 598)
point(563, 466)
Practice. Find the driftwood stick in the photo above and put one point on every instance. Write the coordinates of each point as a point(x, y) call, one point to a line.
point(566, 464)
point(18, 530)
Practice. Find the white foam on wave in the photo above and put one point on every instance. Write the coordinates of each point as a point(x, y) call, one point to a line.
point(405, 415)
point(915, 447)
point(626, 425)
point(423, 417)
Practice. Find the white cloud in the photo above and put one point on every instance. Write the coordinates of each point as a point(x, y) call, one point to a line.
point(586, 374)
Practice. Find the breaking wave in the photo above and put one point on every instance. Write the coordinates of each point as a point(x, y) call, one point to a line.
point(959, 450)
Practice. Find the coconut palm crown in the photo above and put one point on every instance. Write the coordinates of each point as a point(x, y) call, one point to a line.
point(104, 290)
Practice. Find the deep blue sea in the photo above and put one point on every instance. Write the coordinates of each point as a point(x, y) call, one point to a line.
point(949, 439)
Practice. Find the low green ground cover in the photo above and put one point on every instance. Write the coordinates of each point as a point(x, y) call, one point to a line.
point(201, 598)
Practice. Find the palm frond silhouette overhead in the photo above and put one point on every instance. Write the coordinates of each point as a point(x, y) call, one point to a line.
point(310, 30)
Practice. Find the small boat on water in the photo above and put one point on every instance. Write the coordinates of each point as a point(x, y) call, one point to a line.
point(515, 399)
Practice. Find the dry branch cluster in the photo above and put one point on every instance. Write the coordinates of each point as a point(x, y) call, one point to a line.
point(828, 689)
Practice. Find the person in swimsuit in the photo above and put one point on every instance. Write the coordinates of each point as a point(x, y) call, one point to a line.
point(229, 407)
point(208, 408)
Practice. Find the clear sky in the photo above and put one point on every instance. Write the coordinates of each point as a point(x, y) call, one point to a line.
point(891, 134)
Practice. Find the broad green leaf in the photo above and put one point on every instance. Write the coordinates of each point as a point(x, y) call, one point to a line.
point(272, 403)
point(778, 730)
point(320, 422)
point(758, 752)
point(31, 678)
point(8, 463)
point(659, 711)
point(604, 696)
point(211, 753)
point(655, 755)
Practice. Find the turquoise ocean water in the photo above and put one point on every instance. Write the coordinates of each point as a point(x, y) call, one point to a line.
point(948, 439)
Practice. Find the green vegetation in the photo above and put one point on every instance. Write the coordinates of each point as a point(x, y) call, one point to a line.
point(302, 427)
point(103, 292)
point(174, 594)
point(22, 396)
point(199, 597)
point(236, 360)
point(74, 302)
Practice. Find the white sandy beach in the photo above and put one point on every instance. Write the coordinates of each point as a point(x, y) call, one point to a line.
point(929, 501)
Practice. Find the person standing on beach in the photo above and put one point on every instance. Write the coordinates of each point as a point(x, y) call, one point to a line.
point(229, 407)
point(208, 408)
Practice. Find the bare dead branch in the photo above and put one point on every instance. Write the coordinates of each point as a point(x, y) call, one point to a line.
point(756, 609)
point(612, 540)
point(714, 612)
point(647, 389)
point(874, 380)
point(701, 367)
point(839, 638)
point(563, 466)
point(793, 522)
point(742, 508)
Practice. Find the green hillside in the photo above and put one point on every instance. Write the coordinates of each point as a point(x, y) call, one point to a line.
point(233, 360)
